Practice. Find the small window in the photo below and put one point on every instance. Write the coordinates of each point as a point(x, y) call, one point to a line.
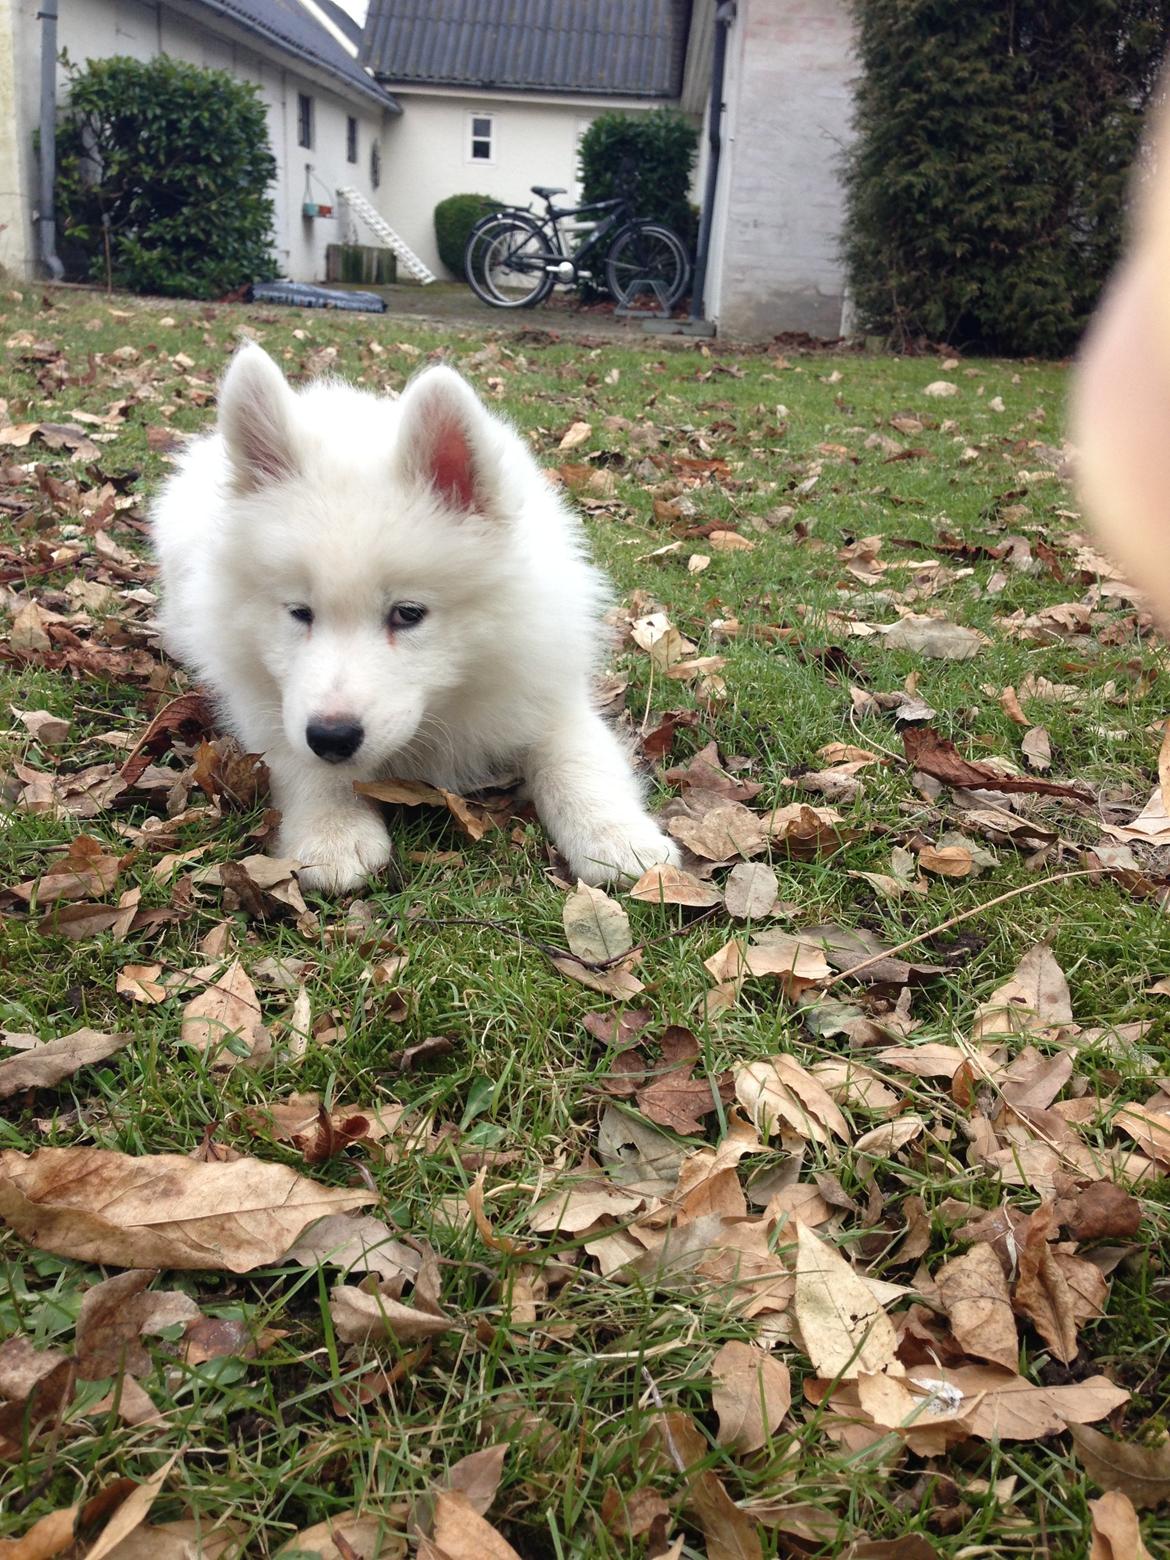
point(304, 119)
point(482, 139)
point(375, 165)
point(351, 140)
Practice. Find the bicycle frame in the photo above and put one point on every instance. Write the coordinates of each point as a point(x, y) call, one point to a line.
point(619, 212)
point(549, 225)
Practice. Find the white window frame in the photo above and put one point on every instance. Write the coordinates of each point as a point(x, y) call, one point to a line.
point(472, 138)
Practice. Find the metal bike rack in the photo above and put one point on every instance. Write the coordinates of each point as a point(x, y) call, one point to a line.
point(662, 312)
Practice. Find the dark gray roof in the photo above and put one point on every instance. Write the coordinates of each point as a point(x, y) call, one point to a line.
point(292, 28)
point(609, 48)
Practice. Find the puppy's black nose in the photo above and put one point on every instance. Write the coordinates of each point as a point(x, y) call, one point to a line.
point(334, 740)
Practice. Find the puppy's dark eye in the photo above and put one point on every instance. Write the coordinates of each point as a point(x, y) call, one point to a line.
point(301, 614)
point(405, 614)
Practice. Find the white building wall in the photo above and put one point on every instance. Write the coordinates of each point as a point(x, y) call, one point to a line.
point(98, 29)
point(428, 156)
point(775, 263)
point(19, 94)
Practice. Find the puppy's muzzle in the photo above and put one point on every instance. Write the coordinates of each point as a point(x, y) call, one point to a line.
point(334, 740)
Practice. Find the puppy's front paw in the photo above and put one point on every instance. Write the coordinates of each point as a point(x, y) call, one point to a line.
point(340, 856)
point(614, 854)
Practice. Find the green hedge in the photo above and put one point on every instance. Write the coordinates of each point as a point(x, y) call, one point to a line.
point(987, 182)
point(648, 157)
point(172, 162)
point(454, 219)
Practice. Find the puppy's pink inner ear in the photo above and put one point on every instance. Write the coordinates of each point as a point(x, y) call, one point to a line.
point(452, 468)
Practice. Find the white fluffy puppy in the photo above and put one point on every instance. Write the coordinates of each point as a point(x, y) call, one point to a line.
point(371, 587)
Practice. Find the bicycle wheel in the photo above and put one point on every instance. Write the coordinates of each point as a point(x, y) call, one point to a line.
point(474, 246)
point(647, 267)
point(507, 264)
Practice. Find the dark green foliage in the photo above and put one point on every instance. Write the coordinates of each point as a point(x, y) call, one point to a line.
point(454, 219)
point(647, 157)
point(175, 159)
point(987, 184)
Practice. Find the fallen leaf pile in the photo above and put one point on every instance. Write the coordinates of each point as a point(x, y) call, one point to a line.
point(802, 1198)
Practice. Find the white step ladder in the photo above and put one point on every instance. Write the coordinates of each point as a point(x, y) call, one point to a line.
point(378, 225)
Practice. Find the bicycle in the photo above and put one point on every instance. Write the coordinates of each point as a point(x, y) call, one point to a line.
point(514, 259)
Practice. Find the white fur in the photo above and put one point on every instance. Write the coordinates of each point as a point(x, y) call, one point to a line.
point(347, 503)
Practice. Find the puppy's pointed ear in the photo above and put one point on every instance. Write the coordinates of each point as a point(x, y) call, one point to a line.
point(444, 441)
point(255, 418)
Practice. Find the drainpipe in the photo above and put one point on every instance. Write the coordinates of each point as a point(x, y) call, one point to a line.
point(724, 16)
point(46, 215)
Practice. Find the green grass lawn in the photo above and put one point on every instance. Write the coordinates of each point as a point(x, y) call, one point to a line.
point(580, 1375)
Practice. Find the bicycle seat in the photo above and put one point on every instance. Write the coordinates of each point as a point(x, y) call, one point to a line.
point(547, 190)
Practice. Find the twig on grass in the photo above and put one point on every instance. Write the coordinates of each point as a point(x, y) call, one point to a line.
point(966, 915)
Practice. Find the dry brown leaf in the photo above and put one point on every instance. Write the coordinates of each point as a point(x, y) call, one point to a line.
point(342, 1538)
point(577, 433)
point(1150, 1129)
point(728, 1262)
point(47, 1538)
point(725, 831)
point(1164, 768)
point(462, 1534)
point(632, 1515)
point(162, 1210)
point(935, 638)
point(140, 982)
point(596, 927)
point(42, 725)
point(477, 1476)
point(935, 755)
point(580, 1206)
point(85, 871)
point(780, 1092)
point(1036, 746)
point(995, 1404)
point(1102, 1211)
point(662, 642)
point(704, 773)
point(730, 1533)
point(667, 885)
point(844, 1330)
point(751, 891)
point(890, 1137)
point(357, 1242)
point(361, 1315)
point(132, 1513)
point(1117, 1533)
point(1140, 1472)
point(180, 1541)
point(226, 1010)
point(41, 1066)
point(1036, 996)
point(115, 1315)
point(1042, 1291)
point(952, 861)
point(751, 1394)
point(618, 981)
point(974, 1294)
point(679, 1101)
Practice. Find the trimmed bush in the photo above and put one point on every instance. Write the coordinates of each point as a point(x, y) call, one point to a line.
point(172, 162)
point(454, 219)
point(646, 157)
point(987, 183)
